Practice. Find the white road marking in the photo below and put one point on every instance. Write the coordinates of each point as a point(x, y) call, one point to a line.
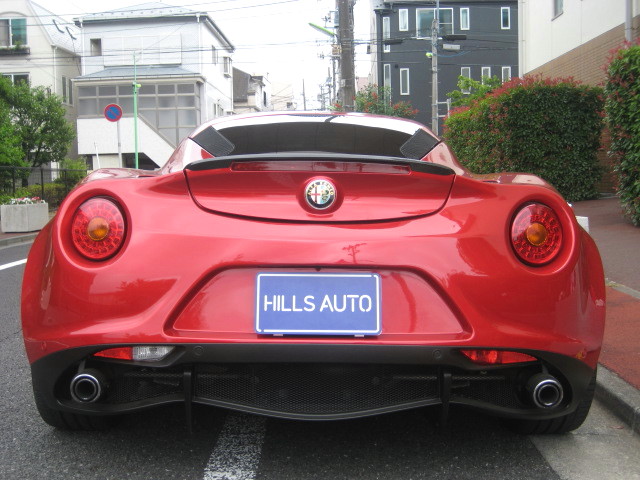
point(237, 452)
point(13, 264)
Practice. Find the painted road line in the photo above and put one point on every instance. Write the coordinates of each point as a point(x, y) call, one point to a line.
point(237, 452)
point(13, 264)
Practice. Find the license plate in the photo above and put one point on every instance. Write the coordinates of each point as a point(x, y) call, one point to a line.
point(318, 304)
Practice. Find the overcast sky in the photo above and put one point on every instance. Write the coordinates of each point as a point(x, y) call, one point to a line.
point(271, 36)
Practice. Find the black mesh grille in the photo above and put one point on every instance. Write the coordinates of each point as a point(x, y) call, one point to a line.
point(315, 389)
point(145, 384)
point(497, 390)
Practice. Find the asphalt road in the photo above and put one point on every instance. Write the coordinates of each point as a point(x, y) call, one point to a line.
point(156, 444)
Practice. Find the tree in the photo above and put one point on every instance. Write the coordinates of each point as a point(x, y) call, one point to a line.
point(377, 100)
point(622, 104)
point(39, 121)
point(475, 90)
point(10, 152)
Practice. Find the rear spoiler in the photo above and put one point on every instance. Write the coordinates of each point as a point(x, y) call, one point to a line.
point(226, 161)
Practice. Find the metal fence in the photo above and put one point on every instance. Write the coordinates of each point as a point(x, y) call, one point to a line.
point(50, 184)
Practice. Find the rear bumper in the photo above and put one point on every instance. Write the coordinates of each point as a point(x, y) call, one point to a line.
point(311, 381)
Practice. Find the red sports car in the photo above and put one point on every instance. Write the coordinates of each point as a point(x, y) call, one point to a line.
point(314, 266)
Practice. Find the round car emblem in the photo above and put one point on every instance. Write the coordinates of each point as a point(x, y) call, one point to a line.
point(320, 194)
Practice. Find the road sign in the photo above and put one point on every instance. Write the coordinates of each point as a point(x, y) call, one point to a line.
point(113, 112)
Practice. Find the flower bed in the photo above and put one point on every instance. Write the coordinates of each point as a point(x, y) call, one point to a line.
point(25, 214)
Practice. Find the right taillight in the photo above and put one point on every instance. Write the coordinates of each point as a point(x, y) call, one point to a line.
point(98, 228)
point(536, 234)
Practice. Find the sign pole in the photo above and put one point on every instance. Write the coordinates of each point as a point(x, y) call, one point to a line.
point(135, 109)
point(119, 145)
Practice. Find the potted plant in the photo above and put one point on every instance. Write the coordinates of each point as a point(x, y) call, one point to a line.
point(26, 214)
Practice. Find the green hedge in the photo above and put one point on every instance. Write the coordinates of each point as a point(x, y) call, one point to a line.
point(548, 127)
point(623, 114)
point(54, 193)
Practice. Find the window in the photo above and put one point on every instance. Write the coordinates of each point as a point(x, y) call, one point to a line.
point(403, 20)
point(506, 74)
point(17, 77)
point(464, 18)
point(96, 47)
point(424, 21)
point(67, 96)
point(404, 81)
point(386, 32)
point(558, 7)
point(172, 109)
point(486, 73)
point(505, 18)
point(227, 66)
point(465, 72)
point(214, 55)
point(13, 32)
point(387, 75)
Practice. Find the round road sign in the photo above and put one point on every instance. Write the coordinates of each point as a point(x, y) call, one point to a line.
point(113, 112)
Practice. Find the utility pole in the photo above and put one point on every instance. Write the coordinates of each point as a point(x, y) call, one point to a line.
point(345, 36)
point(435, 31)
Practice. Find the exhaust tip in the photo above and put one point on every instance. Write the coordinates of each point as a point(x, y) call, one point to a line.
point(545, 391)
point(87, 386)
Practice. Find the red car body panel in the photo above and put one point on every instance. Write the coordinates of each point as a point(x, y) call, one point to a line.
point(197, 239)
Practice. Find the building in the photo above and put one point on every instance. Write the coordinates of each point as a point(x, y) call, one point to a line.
point(40, 48)
point(402, 31)
point(562, 38)
point(181, 61)
point(251, 93)
point(574, 38)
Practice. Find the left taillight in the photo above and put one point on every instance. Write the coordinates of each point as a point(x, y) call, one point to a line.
point(536, 234)
point(98, 228)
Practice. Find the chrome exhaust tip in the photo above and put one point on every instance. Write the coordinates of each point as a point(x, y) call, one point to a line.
point(545, 391)
point(88, 386)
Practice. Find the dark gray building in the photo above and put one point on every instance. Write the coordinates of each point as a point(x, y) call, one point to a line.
point(402, 40)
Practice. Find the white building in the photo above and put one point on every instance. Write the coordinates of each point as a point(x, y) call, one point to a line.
point(251, 93)
point(40, 48)
point(183, 64)
point(572, 37)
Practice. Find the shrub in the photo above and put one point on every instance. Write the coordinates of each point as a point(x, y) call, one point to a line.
point(548, 127)
point(377, 100)
point(53, 194)
point(622, 105)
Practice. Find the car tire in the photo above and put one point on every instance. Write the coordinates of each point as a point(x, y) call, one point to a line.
point(562, 424)
point(69, 421)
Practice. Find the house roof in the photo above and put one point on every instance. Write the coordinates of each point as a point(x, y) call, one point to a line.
point(151, 10)
point(141, 72)
point(144, 10)
point(60, 32)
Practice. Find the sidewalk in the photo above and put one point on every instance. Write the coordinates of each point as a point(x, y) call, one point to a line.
point(619, 243)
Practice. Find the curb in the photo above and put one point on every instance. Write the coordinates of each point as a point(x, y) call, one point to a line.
point(17, 239)
point(620, 397)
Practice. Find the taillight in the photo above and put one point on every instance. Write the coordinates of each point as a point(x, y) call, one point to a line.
point(536, 234)
point(496, 357)
point(98, 228)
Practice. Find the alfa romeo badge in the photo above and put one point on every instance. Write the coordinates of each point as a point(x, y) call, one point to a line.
point(320, 194)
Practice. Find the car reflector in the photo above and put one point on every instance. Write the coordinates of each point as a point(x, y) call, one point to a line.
point(496, 357)
point(119, 353)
